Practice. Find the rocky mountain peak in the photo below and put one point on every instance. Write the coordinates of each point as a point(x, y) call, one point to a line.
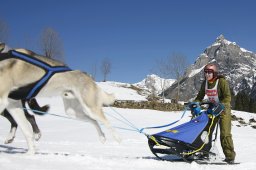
point(235, 63)
point(220, 38)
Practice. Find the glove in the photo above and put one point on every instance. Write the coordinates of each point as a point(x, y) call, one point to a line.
point(218, 109)
point(195, 108)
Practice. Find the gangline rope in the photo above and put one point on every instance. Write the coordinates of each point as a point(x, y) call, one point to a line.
point(122, 119)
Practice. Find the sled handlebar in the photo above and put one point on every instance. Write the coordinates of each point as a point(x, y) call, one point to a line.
point(210, 103)
point(201, 103)
point(213, 108)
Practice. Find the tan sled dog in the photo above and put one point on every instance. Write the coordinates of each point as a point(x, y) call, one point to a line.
point(74, 86)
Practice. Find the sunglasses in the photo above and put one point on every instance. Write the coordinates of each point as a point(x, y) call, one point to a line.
point(208, 72)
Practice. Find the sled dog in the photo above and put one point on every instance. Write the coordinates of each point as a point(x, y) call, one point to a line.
point(72, 85)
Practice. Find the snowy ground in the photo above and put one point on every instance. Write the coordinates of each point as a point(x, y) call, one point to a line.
point(73, 145)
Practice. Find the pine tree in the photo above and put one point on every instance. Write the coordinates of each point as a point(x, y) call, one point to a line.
point(242, 101)
point(252, 106)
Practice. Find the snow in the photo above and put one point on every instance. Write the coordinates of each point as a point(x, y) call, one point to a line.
point(229, 42)
point(246, 51)
point(122, 91)
point(215, 44)
point(195, 71)
point(155, 83)
point(71, 144)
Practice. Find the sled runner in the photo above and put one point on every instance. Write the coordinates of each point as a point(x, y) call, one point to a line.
point(189, 141)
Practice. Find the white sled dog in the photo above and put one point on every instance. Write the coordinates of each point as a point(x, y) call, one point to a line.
point(76, 88)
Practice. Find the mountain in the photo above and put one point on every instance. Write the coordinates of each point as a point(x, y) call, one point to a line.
point(124, 91)
point(236, 64)
point(155, 84)
point(137, 91)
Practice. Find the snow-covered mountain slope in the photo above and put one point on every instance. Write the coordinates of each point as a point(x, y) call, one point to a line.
point(123, 91)
point(155, 84)
point(138, 91)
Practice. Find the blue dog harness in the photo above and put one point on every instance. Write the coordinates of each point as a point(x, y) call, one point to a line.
point(29, 91)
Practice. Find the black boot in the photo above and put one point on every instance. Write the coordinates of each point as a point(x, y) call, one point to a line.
point(229, 161)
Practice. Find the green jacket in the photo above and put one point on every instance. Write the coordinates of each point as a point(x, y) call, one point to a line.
point(223, 91)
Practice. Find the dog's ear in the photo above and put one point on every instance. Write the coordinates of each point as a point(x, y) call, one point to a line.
point(2, 45)
point(4, 48)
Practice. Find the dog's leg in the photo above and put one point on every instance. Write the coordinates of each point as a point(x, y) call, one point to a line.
point(100, 133)
point(3, 102)
point(73, 108)
point(92, 101)
point(11, 135)
point(20, 118)
point(32, 120)
point(107, 99)
point(97, 114)
point(17, 113)
point(106, 123)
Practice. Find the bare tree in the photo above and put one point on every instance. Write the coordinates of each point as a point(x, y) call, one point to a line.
point(164, 71)
point(150, 83)
point(51, 45)
point(178, 64)
point(105, 68)
point(172, 66)
point(94, 70)
point(4, 31)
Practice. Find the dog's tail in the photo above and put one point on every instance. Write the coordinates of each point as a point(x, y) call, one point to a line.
point(107, 98)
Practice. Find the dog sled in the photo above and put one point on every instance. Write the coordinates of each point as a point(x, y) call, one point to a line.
point(189, 141)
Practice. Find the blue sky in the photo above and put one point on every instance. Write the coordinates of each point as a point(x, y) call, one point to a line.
point(133, 34)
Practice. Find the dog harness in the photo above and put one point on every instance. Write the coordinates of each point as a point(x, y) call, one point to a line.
point(31, 90)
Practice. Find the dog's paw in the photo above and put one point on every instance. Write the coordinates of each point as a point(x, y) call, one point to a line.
point(37, 136)
point(9, 140)
point(10, 137)
point(102, 139)
point(118, 138)
point(30, 152)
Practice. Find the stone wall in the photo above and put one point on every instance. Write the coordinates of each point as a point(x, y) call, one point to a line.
point(154, 105)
